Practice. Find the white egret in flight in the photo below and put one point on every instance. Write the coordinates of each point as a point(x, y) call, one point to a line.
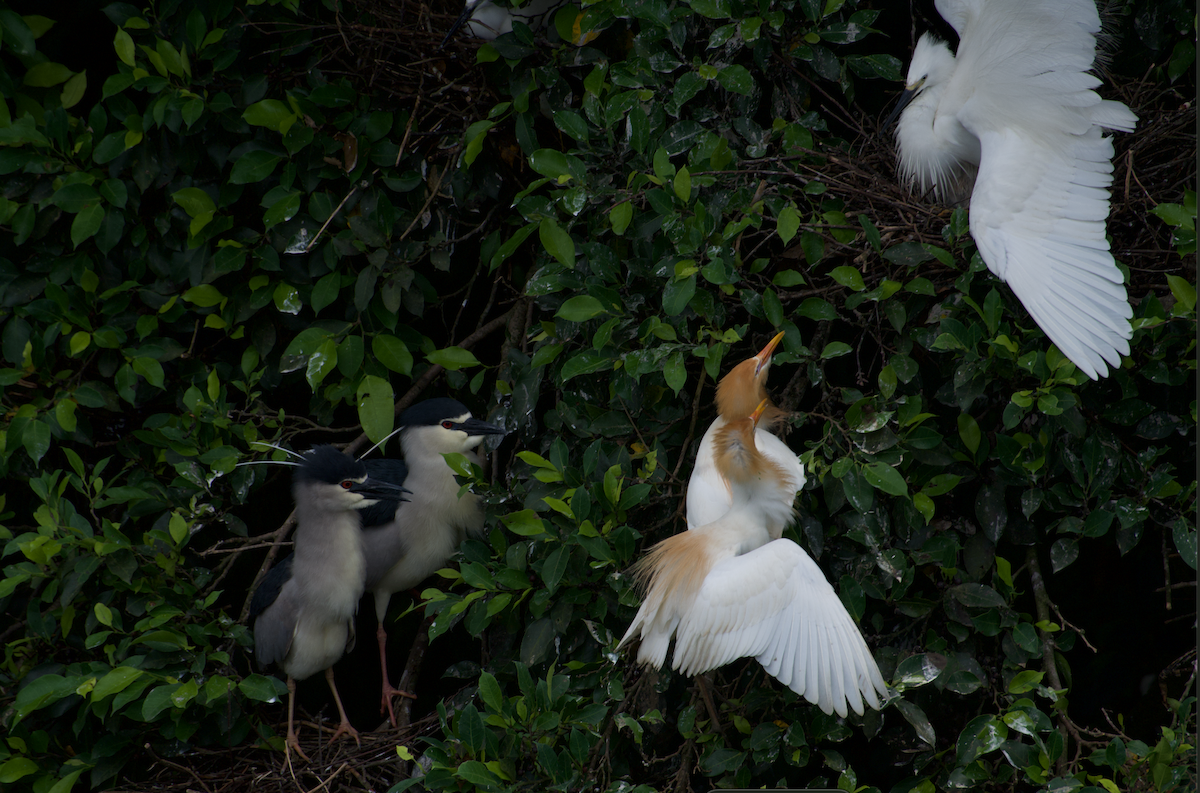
point(1012, 120)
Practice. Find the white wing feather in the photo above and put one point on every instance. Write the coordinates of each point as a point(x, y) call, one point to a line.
point(774, 604)
point(1020, 87)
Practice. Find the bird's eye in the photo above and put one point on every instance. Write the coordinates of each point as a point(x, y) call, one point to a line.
point(347, 484)
point(448, 425)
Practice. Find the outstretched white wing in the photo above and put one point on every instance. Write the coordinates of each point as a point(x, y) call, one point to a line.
point(774, 604)
point(1037, 215)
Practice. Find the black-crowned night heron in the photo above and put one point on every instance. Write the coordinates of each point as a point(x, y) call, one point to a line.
point(1013, 122)
point(303, 612)
point(407, 543)
point(738, 394)
point(733, 589)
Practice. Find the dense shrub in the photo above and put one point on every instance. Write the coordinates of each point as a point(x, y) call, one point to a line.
point(224, 234)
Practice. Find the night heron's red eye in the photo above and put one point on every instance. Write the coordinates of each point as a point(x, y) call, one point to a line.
point(347, 484)
point(448, 425)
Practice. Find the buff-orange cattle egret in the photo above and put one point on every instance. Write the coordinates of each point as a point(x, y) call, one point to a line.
point(728, 590)
point(1012, 120)
point(709, 495)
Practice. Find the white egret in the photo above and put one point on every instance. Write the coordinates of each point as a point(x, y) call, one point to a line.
point(1013, 121)
point(486, 20)
point(709, 495)
point(728, 589)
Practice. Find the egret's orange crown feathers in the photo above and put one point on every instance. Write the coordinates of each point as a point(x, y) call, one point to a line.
point(745, 386)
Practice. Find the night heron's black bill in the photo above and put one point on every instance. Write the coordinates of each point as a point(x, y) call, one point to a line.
point(380, 490)
point(474, 426)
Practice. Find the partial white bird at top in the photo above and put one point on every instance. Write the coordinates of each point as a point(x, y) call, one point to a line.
point(1012, 120)
point(486, 20)
point(733, 589)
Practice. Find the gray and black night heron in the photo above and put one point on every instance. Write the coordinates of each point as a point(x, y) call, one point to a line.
point(406, 543)
point(1012, 120)
point(303, 612)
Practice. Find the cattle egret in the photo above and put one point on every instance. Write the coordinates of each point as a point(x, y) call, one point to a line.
point(728, 590)
point(709, 495)
point(1013, 120)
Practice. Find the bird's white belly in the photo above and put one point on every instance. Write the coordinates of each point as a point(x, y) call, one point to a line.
point(316, 646)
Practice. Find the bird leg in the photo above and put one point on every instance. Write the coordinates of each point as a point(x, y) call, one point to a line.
point(702, 683)
point(292, 741)
point(345, 728)
point(388, 691)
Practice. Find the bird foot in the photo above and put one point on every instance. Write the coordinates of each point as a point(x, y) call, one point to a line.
point(345, 728)
point(388, 693)
point(292, 744)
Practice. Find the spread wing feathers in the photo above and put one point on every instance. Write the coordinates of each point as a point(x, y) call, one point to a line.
point(772, 604)
point(709, 495)
point(1037, 215)
point(775, 605)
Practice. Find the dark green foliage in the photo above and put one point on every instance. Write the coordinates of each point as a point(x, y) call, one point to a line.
point(230, 241)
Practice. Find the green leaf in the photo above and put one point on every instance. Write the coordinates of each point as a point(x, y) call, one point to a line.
point(453, 358)
point(620, 216)
point(287, 298)
point(45, 75)
point(884, 477)
point(270, 113)
point(194, 201)
point(848, 277)
point(253, 167)
point(555, 566)
point(376, 407)
point(676, 295)
point(75, 197)
point(557, 242)
point(149, 369)
point(1185, 293)
point(204, 295)
point(86, 223)
point(580, 308)
point(16, 767)
point(969, 431)
point(682, 184)
point(282, 210)
point(836, 349)
point(392, 353)
point(321, 363)
point(73, 91)
point(786, 225)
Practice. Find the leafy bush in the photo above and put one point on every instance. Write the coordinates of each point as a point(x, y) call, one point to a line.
point(233, 241)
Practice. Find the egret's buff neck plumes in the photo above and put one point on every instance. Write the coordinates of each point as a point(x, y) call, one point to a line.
point(740, 393)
